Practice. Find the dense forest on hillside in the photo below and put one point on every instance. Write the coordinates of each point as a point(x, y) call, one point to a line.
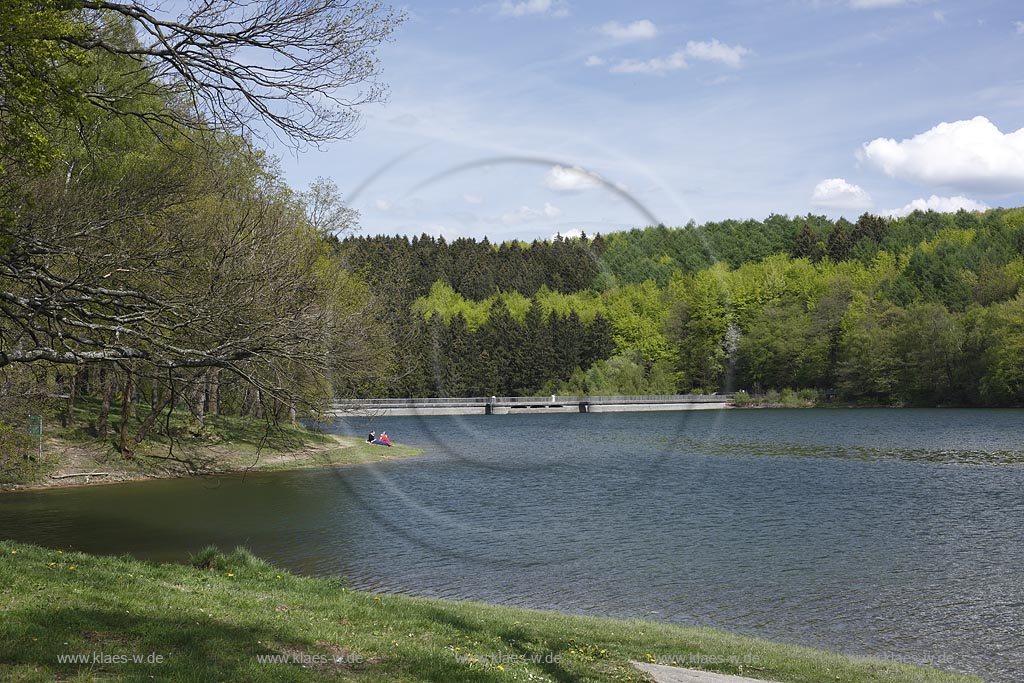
point(920, 310)
point(153, 259)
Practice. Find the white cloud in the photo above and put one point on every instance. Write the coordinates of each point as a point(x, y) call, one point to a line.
point(437, 230)
point(872, 4)
point(593, 60)
point(836, 193)
point(1020, 27)
point(525, 214)
point(642, 29)
point(708, 51)
point(472, 198)
point(562, 179)
point(551, 211)
point(522, 9)
point(715, 51)
point(573, 234)
point(382, 205)
point(940, 204)
point(973, 155)
point(658, 65)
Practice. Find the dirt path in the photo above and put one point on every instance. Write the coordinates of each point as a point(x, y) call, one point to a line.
point(674, 674)
point(82, 464)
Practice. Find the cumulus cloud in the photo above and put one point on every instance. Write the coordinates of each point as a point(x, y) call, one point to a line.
point(525, 214)
point(574, 179)
point(642, 29)
point(509, 8)
point(940, 204)
point(472, 198)
point(715, 51)
point(973, 155)
point(1020, 27)
point(708, 51)
point(382, 205)
point(593, 60)
point(836, 193)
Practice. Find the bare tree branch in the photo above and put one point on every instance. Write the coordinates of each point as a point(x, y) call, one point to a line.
point(301, 67)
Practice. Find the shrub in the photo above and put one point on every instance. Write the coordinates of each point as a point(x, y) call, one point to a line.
point(18, 461)
point(211, 557)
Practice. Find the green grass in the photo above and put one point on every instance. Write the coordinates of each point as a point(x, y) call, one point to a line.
point(220, 444)
point(213, 621)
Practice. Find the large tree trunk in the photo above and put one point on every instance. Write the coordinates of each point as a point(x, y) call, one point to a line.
point(132, 396)
point(197, 404)
point(154, 414)
point(257, 404)
point(213, 391)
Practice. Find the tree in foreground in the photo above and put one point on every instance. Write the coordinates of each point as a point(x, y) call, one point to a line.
point(143, 235)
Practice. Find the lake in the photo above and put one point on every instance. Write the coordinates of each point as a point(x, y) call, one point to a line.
point(892, 533)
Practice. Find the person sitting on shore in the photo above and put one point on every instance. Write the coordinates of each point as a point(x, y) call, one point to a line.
point(372, 437)
point(384, 439)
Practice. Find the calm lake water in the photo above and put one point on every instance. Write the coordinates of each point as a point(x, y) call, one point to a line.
point(892, 533)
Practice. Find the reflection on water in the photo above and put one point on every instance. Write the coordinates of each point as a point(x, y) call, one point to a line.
point(889, 533)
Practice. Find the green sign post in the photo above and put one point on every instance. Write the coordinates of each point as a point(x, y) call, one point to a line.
point(35, 428)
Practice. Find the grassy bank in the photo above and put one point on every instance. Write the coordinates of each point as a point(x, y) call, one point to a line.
point(220, 444)
point(218, 620)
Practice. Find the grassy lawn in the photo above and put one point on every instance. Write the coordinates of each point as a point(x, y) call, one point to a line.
point(217, 620)
point(219, 444)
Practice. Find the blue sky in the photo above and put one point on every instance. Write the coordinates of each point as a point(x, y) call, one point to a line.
point(517, 119)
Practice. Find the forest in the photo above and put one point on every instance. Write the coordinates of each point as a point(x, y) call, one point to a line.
point(153, 258)
point(921, 310)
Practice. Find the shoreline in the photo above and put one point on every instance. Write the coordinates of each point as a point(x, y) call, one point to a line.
point(86, 460)
point(263, 618)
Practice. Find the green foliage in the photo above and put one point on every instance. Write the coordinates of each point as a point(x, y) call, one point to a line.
point(637, 314)
point(238, 560)
point(19, 462)
point(918, 310)
point(36, 93)
point(624, 374)
point(998, 340)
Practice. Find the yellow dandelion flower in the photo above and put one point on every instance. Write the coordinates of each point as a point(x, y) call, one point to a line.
point(14, 552)
point(230, 574)
point(71, 568)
